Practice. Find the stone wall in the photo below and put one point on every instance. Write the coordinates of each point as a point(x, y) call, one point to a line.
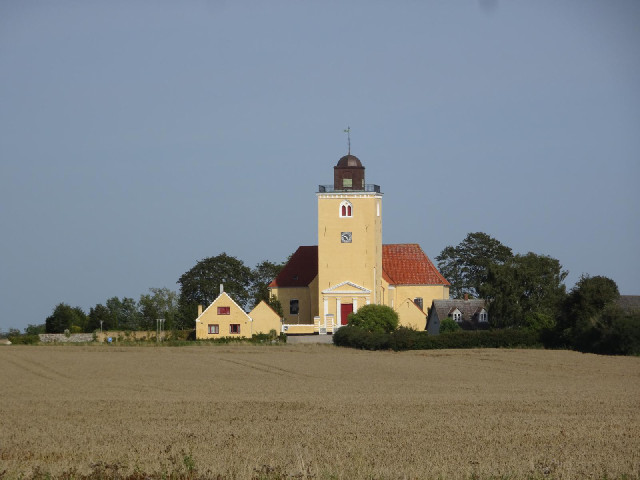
point(62, 338)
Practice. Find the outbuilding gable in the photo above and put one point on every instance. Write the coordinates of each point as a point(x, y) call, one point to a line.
point(223, 318)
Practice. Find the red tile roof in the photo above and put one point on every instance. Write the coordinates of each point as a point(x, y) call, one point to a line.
point(300, 270)
point(407, 264)
point(402, 264)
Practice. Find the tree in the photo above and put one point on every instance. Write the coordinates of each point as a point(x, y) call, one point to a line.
point(160, 303)
point(96, 315)
point(65, 317)
point(261, 276)
point(124, 313)
point(201, 285)
point(374, 319)
point(275, 304)
point(583, 307)
point(466, 265)
point(587, 299)
point(35, 329)
point(521, 287)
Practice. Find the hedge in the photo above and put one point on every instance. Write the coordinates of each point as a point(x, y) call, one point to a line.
point(408, 339)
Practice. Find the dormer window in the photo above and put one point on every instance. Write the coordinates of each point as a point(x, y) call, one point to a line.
point(457, 316)
point(346, 209)
point(483, 317)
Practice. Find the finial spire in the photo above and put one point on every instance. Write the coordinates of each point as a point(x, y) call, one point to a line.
point(348, 132)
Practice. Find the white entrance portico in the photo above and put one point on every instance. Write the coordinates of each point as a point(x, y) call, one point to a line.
point(342, 299)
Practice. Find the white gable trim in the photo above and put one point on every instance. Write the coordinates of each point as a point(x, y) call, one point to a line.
point(354, 289)
point(224, 294)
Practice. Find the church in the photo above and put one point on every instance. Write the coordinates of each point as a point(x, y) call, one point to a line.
point(350, 267)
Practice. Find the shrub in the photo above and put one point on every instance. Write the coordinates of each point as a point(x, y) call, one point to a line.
point(356, 337)
point(407, 339)
point(449, 325)
point(375, 318)
point(24, 339)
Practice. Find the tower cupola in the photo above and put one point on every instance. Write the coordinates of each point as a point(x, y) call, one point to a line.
point(348, 174)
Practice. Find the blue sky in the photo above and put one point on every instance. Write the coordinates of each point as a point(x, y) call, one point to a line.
point(137, 138)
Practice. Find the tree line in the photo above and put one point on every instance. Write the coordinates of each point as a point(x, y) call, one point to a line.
point(527, 291)
point(200, 285)
point(523, 291)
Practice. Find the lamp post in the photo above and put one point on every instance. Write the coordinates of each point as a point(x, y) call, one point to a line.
point(159, 328)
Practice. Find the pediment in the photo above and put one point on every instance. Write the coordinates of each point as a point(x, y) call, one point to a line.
point(346, 288)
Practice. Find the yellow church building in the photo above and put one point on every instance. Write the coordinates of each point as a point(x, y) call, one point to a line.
point(322, 284)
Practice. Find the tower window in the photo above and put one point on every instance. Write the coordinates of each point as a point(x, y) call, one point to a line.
point(347, 182)
point(346, 209)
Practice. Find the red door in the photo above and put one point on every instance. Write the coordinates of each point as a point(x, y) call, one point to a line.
point(345, 310)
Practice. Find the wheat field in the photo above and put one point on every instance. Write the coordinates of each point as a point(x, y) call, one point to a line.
point(317, 411)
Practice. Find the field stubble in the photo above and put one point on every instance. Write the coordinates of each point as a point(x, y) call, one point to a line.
point(319, 411)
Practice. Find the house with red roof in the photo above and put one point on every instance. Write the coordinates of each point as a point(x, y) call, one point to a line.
point(350, 267)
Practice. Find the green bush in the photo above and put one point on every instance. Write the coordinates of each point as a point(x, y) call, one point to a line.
point(407, 339)
point(355, 337)
point(614, 332)
point(375, 319)
point(449, 325)
point(24, 339)
point(271, 337)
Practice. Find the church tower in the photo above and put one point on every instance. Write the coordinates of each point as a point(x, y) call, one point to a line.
point(349, 243)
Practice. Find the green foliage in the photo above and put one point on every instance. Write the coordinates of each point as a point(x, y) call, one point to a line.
point(539, 321)
point(449, 325)
point(24, 339)
point(523, 285)
point(374, 318)
point(466, 264)
point(35, 329)
point(201, 284)
point(617, 332)
point(272, 337)
point(97, 313)
point(64, 317)
point(261, 277)
point(159, 303)
point(124, 313)
point(275, 304)
point(407, 339)
point(584, 304)
point(612, 332)
point(352, 336)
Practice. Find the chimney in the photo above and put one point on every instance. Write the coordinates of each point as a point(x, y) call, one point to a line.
point(466, 297)
point(199, 310)
point(221, 288)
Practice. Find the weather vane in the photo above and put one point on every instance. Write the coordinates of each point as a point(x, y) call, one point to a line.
point(348, 132)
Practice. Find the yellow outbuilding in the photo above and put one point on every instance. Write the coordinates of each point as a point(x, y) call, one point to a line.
point(225, 318)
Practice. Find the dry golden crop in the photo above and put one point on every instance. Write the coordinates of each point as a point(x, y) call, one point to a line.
point(318, 411)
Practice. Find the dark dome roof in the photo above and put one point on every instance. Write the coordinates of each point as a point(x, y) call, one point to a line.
point(349, 161)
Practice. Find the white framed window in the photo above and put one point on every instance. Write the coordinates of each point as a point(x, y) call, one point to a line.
point(457, 316)
point(483, 317)
point(346, 209)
